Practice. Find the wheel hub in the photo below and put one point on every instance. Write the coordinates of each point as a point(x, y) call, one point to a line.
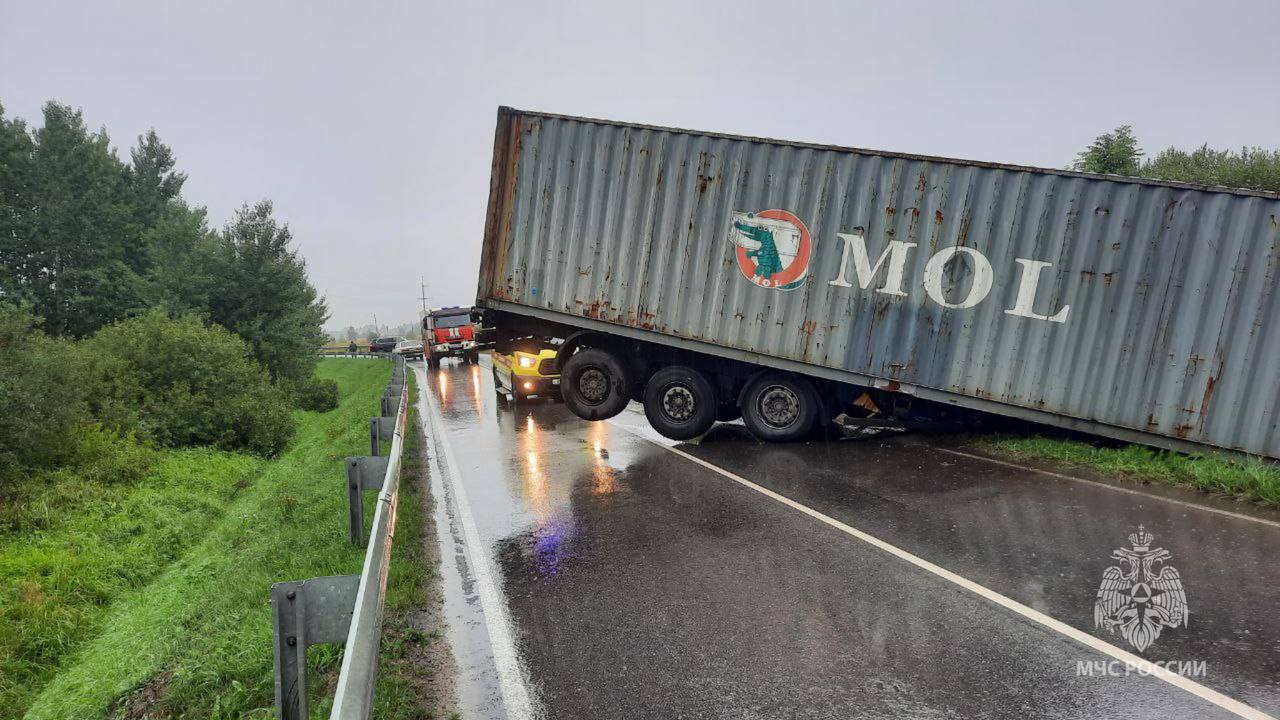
point(779, 406)
point(593, 385)
point(678, 403)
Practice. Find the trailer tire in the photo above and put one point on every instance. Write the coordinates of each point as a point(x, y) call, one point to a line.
point(780, 408)
point(680, 402)
point(433, 363)
point(594, 384)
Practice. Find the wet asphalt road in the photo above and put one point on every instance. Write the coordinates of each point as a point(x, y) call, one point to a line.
point(636, 583)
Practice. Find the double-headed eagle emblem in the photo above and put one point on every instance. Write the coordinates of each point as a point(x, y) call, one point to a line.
point(1141, 596)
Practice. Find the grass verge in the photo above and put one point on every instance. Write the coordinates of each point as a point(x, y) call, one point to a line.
point(81, 544)
point(1246, 478)
point(196, 640)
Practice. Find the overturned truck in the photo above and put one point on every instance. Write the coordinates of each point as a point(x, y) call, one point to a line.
point(711, 276)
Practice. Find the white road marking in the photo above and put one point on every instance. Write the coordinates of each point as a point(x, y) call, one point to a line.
point(1130, 491)
point(1229, 704)
point(511, 677)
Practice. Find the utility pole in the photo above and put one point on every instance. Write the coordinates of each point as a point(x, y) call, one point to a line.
point(423, 286)
point(376, 329)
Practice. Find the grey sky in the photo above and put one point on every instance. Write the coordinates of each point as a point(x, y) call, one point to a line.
point(370, 125)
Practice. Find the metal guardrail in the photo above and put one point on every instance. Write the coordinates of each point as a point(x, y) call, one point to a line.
point(347, 608)
point(339, 353)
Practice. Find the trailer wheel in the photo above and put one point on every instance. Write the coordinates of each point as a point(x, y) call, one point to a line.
point(680, 402)
point(594, 384)
point(780, 408)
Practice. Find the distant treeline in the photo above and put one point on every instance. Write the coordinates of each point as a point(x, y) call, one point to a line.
point(1117, 153)
point(352, 333)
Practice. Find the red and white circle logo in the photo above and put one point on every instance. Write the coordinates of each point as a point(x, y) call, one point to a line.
point(773, 248)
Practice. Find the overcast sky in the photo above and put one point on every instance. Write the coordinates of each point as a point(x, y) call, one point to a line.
point(370, 125)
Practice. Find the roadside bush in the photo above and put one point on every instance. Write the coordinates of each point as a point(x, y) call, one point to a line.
point(317, 395)
point(180, 382)
point(40, 396)
point(105, 456)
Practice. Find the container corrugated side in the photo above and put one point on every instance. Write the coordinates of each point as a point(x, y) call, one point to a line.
point(1171, 329)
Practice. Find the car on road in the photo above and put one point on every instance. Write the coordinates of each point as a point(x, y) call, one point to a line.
point(526, 374)
point(384, 344)
point(409, 349)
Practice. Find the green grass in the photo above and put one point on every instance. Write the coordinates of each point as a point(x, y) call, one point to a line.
point(182, 625)
point(1247, 478)
point(79, 545)
point(409, 571)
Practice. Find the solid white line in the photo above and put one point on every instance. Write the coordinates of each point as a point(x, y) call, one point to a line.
point(1095, 483)
point(1212, 696)
point(511, 681)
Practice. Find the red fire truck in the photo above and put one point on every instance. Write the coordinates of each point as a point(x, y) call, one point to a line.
point(447, 332)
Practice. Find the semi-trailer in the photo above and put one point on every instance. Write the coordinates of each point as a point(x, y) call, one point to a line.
point(711, 276)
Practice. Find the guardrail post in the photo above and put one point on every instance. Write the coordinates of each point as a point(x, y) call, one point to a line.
point(304, 613)
point(390, 404)
point(380, 428)
point(364, 472)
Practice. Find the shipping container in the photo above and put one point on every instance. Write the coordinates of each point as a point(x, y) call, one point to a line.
point(1131, 308)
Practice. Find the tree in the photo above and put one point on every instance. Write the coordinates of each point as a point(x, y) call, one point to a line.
point(152, 180)
point(1117, 153)
point(178, 381)
point(350, 334)
point(17, 171)
point(87, 240)
point(263, 294)
point(1113, 153)
point(72, 252)
point(182, 249)
point(41, 393)
point(1253, 168)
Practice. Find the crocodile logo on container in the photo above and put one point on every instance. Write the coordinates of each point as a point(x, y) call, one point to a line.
point(773, 248)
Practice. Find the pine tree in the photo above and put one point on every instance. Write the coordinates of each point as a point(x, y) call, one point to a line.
point(263, 294)
point(83, 258)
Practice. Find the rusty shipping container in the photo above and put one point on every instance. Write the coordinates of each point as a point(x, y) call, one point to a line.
point(1141, 310)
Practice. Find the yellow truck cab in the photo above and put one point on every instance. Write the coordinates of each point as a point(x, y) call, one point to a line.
point(526, 373)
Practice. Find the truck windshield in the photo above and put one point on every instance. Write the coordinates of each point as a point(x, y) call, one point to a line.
point(450, 321)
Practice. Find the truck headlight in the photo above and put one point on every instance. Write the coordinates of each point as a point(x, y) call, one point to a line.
point(526, 361)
